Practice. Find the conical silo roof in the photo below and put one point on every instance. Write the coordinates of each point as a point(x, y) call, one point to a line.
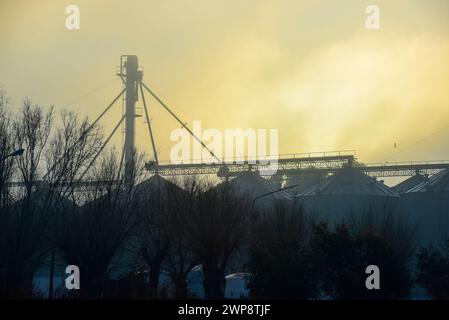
point(40, 196)
point(351, 181)
point(436, 183)
point(410, 183)
point(148, 187)
point(252, 184)
point(156, 182)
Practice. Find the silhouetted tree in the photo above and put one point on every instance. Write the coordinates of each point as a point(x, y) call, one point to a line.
point(71, 148)
point(90, 236)
point(159, 203)
point(6, 197)
point(162, 238)
point(6, 147)
point(433, 270)
point(27, 213)
point(216, 228)
point(280, 261)
point(25, 220)
point(180, 258)
point(342, 255)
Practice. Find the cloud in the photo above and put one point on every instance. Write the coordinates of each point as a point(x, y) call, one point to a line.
point(310, 69)
point(365, 93)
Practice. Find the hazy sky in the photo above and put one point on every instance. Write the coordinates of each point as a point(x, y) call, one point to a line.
point(309, 68)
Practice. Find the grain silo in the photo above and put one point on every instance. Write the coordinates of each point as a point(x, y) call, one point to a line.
point(261, 191)
point(427, 204)
point(348, 191)
point(410, 183)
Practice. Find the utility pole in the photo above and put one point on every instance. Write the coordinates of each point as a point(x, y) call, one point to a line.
point(132, 78)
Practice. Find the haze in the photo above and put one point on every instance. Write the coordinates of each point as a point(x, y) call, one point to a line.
point(309, 68)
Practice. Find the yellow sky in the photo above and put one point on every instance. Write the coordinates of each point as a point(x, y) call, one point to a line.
point(309, 68)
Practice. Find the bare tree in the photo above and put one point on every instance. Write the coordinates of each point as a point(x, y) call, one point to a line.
point(280, 262)
point(6, 147)
point(27, 214)
point(160, 201)
point(26, 219)
point(32, 129)
point(180, 258)
point(6, 172)
point(70, 149)
point(433, 269)
point(90, 236)
point(217, 227)
point(343, 252)
point(399, 231)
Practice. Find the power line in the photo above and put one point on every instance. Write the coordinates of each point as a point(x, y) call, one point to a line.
point(91, 92)
point(418, 142)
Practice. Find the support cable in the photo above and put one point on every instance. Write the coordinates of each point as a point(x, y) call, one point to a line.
point(84, 133)
point(119, 174)
point(179, 120)
point(102, 147)
point(149, 124)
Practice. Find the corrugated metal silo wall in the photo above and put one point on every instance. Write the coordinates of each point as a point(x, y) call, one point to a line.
point(334, 208)
point(430, 210)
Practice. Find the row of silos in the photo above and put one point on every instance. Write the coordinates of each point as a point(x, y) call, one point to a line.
point(420, 200)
